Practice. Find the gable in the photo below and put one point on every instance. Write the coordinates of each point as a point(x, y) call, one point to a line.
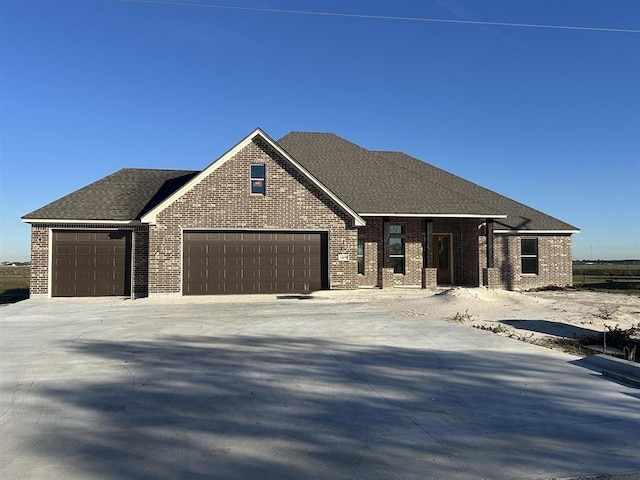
point(255, 137)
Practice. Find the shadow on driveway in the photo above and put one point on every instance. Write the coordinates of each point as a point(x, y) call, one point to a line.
point(549, 327)
point(278, 407)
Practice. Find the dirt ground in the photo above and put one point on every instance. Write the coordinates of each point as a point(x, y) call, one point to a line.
point(530, 315)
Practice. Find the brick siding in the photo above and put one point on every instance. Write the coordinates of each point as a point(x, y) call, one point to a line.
point(554, 262)
point(39, 271)
point(140, 274)
point(465, 248)
point(223, 201)
point(291, 203)
point(464, 234)
point(469, 256)
point(40, 238)
point(373, 260)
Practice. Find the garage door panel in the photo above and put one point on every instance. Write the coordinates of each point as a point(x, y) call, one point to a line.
point(87, 263)
point(197, 248)
point(198, 263)
point(63, 250)
point(82, 250)
point(265, 262)
point(254, 262)
point(104, 263)
point(65, 236)
point(63, 276)
point(198, 237)
point(63, 262)
point(249, 238)
point(80, 237)
point(103, 276)
point(82, 262)
point(103, 250)
point(251, 248)
point(266, 274)
point(197, 275)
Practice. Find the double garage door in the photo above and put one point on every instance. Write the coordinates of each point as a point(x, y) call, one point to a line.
point(91, 263)
point(254, 262)
point(98, 263)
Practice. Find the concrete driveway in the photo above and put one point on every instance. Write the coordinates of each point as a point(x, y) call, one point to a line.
point(328, 388)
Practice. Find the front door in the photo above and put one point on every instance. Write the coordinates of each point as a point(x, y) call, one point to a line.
point(442, 258)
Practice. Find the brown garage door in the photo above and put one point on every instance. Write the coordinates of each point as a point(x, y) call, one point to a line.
point(254, 262)
point(91, 264)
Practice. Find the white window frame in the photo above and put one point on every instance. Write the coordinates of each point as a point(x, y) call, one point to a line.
point(262, 179)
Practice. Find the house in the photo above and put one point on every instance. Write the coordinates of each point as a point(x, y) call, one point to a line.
point(310, 211)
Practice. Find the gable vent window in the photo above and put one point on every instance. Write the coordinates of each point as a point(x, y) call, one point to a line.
point(258, 179)
point(529, 255)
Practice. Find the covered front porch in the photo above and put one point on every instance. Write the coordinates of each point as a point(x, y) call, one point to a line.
point(424, 252)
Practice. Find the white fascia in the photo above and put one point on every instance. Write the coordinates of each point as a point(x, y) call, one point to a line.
point(151, 216)
point(539, 232)
point(87, 222)
point(432, 215)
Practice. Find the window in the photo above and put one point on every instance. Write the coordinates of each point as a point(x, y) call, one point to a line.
point(529, 255)
point(258, 179)
point(394, 248)
point(360, 253)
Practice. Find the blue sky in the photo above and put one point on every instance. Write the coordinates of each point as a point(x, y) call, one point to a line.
point(548, 117)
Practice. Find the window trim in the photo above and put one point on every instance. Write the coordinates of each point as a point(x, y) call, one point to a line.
point(388, 256)
point(528, 255)
point(253, 178)
point(359, 256)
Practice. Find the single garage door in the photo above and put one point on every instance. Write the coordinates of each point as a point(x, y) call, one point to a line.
point(254, 262)
point(91, 263)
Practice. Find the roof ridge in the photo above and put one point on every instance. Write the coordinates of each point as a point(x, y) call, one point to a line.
point(312, 133)
point(145, 169)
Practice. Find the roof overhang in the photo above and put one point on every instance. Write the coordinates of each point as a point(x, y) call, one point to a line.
point(538, 232)
point(87, 222)
point(152, 215)
point(433, 215)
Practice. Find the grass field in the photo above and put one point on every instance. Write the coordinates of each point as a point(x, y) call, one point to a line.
point(607, 277)
point(14, 283)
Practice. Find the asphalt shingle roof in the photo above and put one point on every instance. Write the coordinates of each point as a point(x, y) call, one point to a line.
point(124, 195)
point(519, 216)
point(367, 181)
point(393, 182)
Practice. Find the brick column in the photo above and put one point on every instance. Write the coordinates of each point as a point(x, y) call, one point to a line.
point(491, 278)
point(386, 280)
point(429, 278)
point(39, 271)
